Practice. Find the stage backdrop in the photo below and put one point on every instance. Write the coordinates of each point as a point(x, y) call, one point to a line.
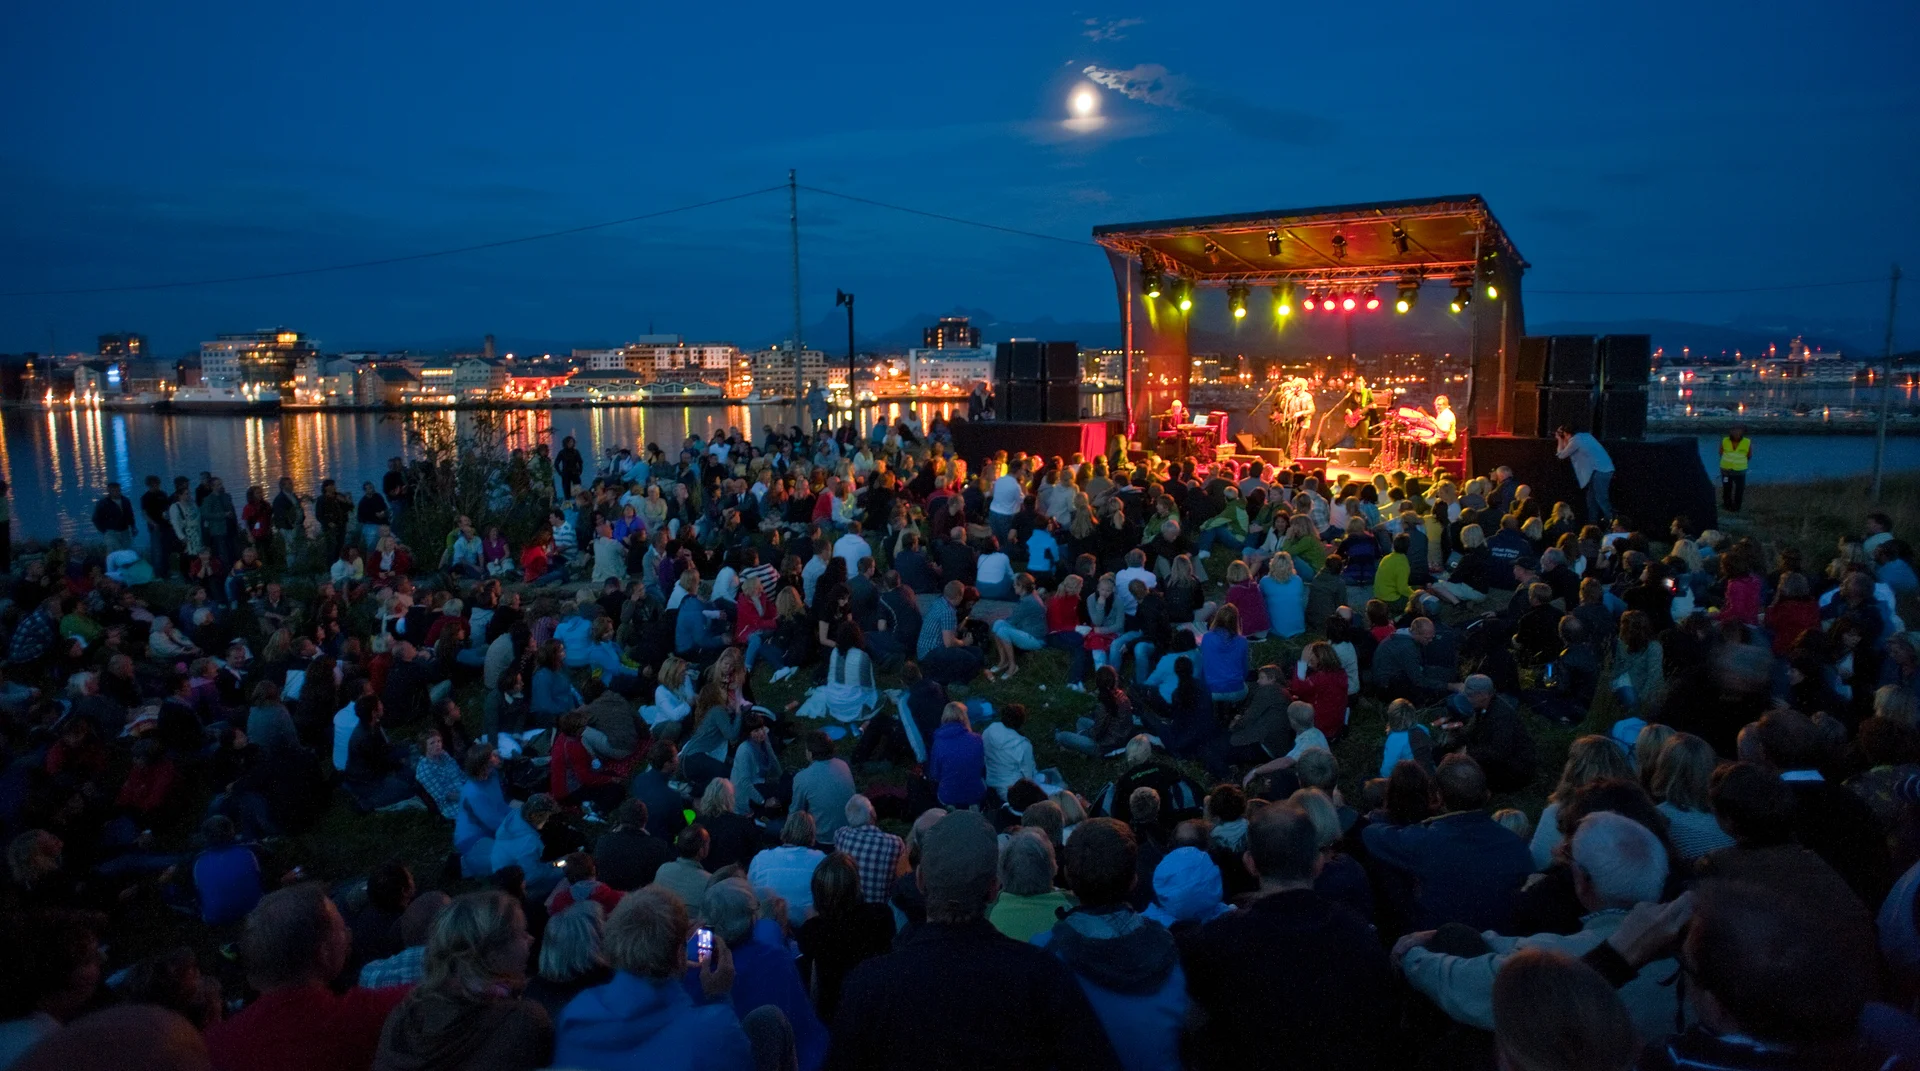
point(1653, 482)
point(976, 440)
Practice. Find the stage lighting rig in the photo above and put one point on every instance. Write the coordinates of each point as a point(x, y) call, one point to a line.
point(1373, 300)
point(1462, 292)
point(1489, 265)
point(1237, 300)
point(1399, 238)
point(1313, 300)
point(1339, 247)
point(1408, 294)
point(1283, 299)
point(1150, 280)
point(1273, 243)
point(1347, 303)
point(1183, 295)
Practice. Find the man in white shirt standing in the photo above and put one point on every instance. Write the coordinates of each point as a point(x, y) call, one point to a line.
point(1008, 493)
point(1592, 467)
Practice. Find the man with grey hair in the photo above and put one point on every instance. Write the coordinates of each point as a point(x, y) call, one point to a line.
point(876, 853)
point(763, 966)
point(1617, 863)
point(1486, 725)
point(1024, 1008)
point(1401, 672)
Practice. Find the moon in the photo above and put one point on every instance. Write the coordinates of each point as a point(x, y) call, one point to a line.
point(1084, 102)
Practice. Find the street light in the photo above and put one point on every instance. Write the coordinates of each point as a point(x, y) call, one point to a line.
point(841, 297)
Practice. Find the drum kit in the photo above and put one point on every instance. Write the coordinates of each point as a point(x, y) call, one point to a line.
point(1408, 437)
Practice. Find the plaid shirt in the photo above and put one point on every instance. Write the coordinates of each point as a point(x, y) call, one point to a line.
point(406, 968)
point(875, 854)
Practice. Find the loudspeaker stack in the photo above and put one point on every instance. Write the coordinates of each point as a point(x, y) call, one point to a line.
point(1038, 382)
point(1587, 385)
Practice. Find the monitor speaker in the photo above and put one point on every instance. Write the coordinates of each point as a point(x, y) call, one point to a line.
point(1063, 361)
point(1621, 413)
point(1531, 365)
point(1625, 360)
point(1062, 400)
point(1570, 361)
point(1572, 406)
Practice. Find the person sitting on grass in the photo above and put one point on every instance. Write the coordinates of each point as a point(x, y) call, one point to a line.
point(1025, 629)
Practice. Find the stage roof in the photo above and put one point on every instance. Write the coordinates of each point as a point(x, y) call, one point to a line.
point(1440, 238)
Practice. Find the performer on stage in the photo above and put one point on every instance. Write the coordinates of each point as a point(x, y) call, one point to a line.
point(1298, 410)
point(1176, 415)
point(1444, 419)
point(1360, 397)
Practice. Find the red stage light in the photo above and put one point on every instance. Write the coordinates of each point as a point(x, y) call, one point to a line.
point(1308, 304)
point(1373, 301)
point(1347, 303)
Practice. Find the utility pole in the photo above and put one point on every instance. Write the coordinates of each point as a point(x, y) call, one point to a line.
point(1886, 383)
point(793, 224)
point(841, 297)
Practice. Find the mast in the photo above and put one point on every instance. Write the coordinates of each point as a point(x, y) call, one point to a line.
point(793, 224)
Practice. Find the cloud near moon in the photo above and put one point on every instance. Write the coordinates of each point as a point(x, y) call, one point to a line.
point(1152, 84)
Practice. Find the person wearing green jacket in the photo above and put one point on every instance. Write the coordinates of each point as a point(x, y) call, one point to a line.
point(1390, 576)
point(1228, 527)
point(1304, 544)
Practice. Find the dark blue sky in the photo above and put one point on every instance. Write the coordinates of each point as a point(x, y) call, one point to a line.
point(1627, 146)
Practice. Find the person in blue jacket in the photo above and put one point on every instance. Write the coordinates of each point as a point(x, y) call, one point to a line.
point(763, 966)
point(958, 763)
point(227, 874)
point(644, 1018)
point(552, 693)
point(517, 843)
point(1126, 964)
point(483, 806)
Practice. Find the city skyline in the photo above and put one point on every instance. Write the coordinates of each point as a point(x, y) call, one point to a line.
point(1636, 148)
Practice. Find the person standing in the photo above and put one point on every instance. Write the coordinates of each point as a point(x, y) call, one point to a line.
point(1592, 468)
point(1736, 451)
point(154, 503)
point(220, 523)
point(289, 516)
point(113, 518)
point(568, 465)
point(393, 486)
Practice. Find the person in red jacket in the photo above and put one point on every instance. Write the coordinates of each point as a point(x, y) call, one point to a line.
point(583, 883)
point(753, 610)
point(1324, 684)
point(149, 784)
point(294, 943)
point(572, 775)
point(1793, 612)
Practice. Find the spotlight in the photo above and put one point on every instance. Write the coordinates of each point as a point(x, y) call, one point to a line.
point(1347, 303)
point(1150, 280)
point(1339, 247)
point(1462, 297)
point(1399, 238)
point(1310, 303)
point(1185, 300)
point(1273, 243)
point(1210, 248)
point(1409, 294)
point(1373, 300)
point(1489, 269)
point(1237, 300)
point(1492, 292)
point(1283, 299)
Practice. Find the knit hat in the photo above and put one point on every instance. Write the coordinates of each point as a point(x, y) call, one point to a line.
point(959, 858)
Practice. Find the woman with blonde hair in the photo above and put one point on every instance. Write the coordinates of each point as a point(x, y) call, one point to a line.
point(1284, 594)
point(1244, 595)
point(1187, 607)
point(1590, 758)
point(467, 1011)
point(1646, 750)
point(672, 694)
point(1681, 777)
point(1474, 574)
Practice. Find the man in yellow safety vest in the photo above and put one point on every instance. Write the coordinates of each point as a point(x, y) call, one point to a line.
point(1736, 450)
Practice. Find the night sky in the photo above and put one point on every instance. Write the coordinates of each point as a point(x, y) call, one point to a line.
point(1625, 147)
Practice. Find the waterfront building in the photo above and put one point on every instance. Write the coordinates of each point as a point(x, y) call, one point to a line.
point(601, 360)
point(479, 374)
point(256, 358)
point(952, 333)
point(123, 344)
point(383, 384)
point(949, 371)
point(772, 370)
point(320, 380)
point(436, 376)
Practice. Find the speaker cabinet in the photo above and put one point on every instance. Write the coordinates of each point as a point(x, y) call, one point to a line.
point(1530, 367)
point(1024, 403)
point(1571, 406)
point(1021, 359)
point(1062, 400)
point(1622, 414)
point(1524, 412)
point(1063, 361)
point(1570, 361)
point(1625, 360)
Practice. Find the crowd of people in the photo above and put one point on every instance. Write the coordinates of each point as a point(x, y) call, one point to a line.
point(1288, 699)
